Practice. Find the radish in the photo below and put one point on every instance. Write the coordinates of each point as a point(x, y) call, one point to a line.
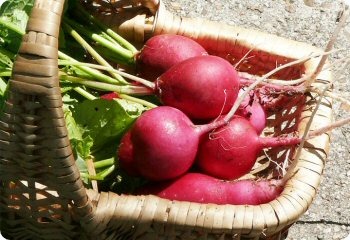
point(201, 188)
point(202, 87)
point(252, 110)
point(109, 96)
point(165, 143)
point(272, 101)
point(161, 52)
point(125, 155)
point(256, 115)
point(272, 97)
point(230, 151)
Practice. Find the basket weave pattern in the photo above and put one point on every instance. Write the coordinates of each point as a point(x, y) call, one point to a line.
point(42, 195)
point(40, 184)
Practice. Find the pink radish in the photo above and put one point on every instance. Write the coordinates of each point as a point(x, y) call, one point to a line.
point(202, 87)
point(125, 154)
point(201, 188)
point(256, 115)
point(165, 143)
point(230, 151)
point(252, 110)
point(109, 96)
point(161, 52)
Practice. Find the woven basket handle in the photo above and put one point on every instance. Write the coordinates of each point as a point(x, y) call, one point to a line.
point(40, 181)
point(35, 73)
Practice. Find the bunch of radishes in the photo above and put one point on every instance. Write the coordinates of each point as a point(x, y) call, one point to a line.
point(164, 145)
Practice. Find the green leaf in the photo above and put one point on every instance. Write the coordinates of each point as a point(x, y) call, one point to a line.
point(10, 6)
point(74, 131)
point(14, 16)
point(81, 164)
point(3, 88)
point(67, 98)
point(104, 121)
point(132, 109)
point(5, 60)
point(81, 145)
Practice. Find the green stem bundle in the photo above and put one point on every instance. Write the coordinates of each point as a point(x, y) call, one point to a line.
point(126, 55)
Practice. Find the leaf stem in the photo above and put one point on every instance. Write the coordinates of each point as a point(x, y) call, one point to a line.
point(86, 175)
point(6, 74)
point(92, 172)
point(84, 93)
point(104, 163)
point(128, 56)
point(105, 173)
point(3, 87)
point(144, 82)
point(93, 53)
point(123, 42)
point(137, 100)
point(7, 53)
point(134, 90)
point(93, 72)
point(11, 26)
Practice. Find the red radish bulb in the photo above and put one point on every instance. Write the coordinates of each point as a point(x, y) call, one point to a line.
point(109, 96)
point(201, 188)
point(202, 87)
point(161, 52)
point(125, 154)
point(256, 115)
point(165, 143)
point(252, 110)
point(230, 151)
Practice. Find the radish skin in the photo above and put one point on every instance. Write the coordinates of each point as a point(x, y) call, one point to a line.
point(201, 188)
point(125, 155)
point(109, 96)
point(161, 52)
point(165, 143)
point(253, 111)
point(202, 87)
point(255, 114)
point(230, 151)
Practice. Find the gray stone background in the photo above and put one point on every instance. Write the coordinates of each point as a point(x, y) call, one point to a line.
point(312, 22)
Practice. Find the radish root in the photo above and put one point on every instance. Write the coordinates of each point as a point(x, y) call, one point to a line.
point(320, 131)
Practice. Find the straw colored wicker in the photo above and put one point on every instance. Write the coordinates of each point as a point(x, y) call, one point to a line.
point(41, 190)
point(42, 195)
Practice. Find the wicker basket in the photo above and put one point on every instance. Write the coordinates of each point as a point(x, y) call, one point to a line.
point(42, 195)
